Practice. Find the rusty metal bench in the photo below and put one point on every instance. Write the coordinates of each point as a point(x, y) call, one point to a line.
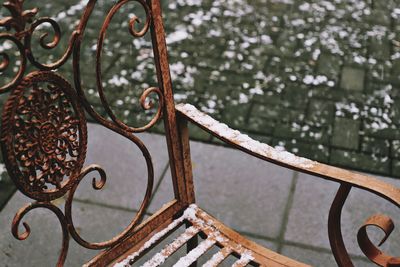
point(44, 141)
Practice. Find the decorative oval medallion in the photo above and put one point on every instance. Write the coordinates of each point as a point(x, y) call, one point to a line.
point(44, 136)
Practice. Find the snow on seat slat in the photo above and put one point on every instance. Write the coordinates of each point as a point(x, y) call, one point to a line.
point(219, 257)
point(243, 261)
point(194, 216)
point(195, 253)
point(171, 248)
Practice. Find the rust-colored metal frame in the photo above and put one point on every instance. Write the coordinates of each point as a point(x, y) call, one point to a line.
point(44, 139)
point(43, 131)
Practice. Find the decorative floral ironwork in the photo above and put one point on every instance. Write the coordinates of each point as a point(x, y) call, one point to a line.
point(19, 17)
point(44, 134)
point(44, 205)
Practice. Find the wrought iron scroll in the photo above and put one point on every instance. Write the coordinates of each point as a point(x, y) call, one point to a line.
point(43, 131)
point(338, 247)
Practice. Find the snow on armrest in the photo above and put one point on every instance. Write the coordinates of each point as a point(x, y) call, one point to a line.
point(242, 140)
point(267, 152)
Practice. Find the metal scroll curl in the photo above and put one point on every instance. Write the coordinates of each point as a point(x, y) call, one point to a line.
point(386, 224)
point(97, 185)
point(23, 39)
point(136, 33)
point(44, 135)
point(22, 236)
point(338, 247)
point(5, 61)
point(48, 45)
point(115, 125)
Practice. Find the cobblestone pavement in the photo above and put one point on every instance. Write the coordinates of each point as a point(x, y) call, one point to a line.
point(319, 78)
point(283, 210)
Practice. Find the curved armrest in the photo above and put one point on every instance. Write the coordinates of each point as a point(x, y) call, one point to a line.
point(286, 159)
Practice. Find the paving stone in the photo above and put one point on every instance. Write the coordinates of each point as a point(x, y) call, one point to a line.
point(360, 161)
point(260, 125)
point(336, 94)
point(308, 217)
point(302, 132)
point(390, 133)
point(95, 223)
point(380, 17)
point(375, 146)
point(387, 5)
point(235, 115)
point(329, 65)
point(396, 69)
point(381, 71)
point(268, 98)
point(345, 133)
point(292, 115)
point(287, 43)
point(380, 48)
point(395, 114)
point(318, 258)
point(311, 151)
point(219, 174)
point(320, 112)
point(295, 97)
point(266, 111)
point(352, 79)
point(395, 167)
point(125, 167)
point(7, 189)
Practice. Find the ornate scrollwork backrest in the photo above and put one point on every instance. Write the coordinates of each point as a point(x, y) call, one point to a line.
point(43, 130)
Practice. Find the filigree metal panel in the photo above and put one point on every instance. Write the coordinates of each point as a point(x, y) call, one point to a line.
point(44, 131)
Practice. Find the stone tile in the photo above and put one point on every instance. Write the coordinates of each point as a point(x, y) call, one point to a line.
point(95, 223)
point(164, 193)
point(396, 167)
point(360, 161)
point(245, 193)
point(266, 111)
point(380, 48)
point(317, 258)
point(308, 256)
point(309, 214)
point(352, 79)
point(315, 152)
point(345, 133)
point(125, 167)
point(329, 65)
point(320, 112)
point(7, 189)
point(375, 146)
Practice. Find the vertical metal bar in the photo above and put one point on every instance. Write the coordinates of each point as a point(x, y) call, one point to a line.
point(187, 162)
point(164, 80)
point(334, 227)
